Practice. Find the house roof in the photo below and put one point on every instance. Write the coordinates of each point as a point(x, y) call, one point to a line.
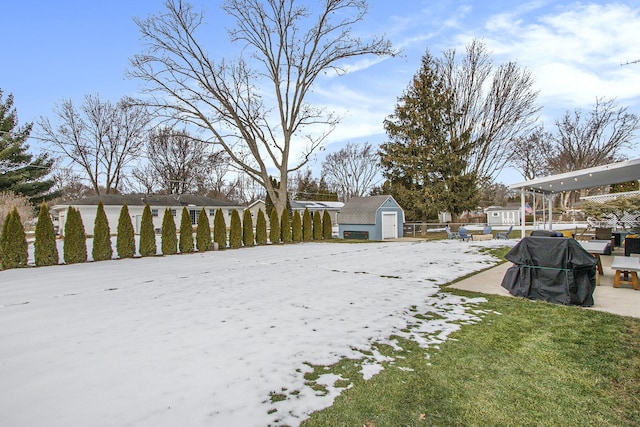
point(316, 204)
point(152, 199)
point(362, 210)
point(598, 176)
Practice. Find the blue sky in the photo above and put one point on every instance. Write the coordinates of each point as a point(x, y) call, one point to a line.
point(69, 48)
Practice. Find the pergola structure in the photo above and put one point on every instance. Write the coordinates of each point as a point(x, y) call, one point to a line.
point(598, 176)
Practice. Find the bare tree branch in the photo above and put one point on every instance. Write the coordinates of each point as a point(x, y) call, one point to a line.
point(289, 46)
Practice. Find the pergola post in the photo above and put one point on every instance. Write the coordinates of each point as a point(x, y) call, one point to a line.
point(522, 212)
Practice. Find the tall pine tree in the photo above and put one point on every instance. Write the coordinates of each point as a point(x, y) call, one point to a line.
point(426, 157)
point(327, 229)
point(186, 232)
point(75, 239)
point(203, 232)
point(126, 242)
point(102, 249)
point(235, 231)
point(248, 238)
point(45, 247)
point(307, 226)
point(285, 227)
point(169, 234)
point(296, 227)
point(274, 227)
point(220, 230)
point(13, 242)
point(20, 172)
point(261, 228)
point(147, 233)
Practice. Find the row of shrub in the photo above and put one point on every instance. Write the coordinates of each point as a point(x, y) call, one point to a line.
point(14, 248)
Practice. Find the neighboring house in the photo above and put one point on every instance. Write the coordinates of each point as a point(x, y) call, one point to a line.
point(498, 215)
point(318, 206)
point(136, 202)
point(255, 207)
point(372, 218)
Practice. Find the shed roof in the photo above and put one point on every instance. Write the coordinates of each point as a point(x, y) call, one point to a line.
point(153, 200)
point(362, 210)
point(598, 176)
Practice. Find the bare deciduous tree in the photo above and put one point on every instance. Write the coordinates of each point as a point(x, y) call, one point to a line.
point(493, 106)
point(581, 142)
point(352, 170)
point(258, 115)
point(178, 161)
point(529, 153)
point(100, 137)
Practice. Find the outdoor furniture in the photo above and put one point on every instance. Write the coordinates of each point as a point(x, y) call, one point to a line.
point(626, 265)
point(452, 234)
point(552, 269)
point(597, 248)
point(464, 235)
point(486, 234)
point(631, 245)
point(504, 235)
point(605, 233)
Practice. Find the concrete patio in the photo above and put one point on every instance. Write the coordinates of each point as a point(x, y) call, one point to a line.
point(624, 300)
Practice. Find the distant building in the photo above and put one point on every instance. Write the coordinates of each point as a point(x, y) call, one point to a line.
point(499, 215)
point(371, 218)
point(136, 202)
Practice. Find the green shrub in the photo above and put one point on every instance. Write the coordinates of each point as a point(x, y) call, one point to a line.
point(203, 232)
point(235, 231)
point(327, 227)
point(147, 233)
point(186, 232)
point(101, 249)
point(125, 240)
point(248, 238)
point(220, 230)
point(307, 226)
point(317, 226)
point(296, 227)
point(274, 227)
point(169, 244)
point(261, 228)
point(13, 241)
point(45, 248)
point(285, 226)
point(75, 240)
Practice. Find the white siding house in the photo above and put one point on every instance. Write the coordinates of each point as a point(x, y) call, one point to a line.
point(136, 202)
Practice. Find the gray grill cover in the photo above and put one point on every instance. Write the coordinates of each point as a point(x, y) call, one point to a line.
point(553, 269)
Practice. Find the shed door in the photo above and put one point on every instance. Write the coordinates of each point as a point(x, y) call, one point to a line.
point(389, 225)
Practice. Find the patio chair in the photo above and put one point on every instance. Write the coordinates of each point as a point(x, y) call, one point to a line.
point(487, 229)
point(464, 235)
point(452, 234)
point(504, 235)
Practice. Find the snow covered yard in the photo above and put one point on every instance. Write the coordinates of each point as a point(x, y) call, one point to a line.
point(203, 339)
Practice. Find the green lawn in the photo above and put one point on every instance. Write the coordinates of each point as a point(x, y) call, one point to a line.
point(525, 364)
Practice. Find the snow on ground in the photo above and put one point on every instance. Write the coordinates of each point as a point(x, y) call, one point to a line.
point(203, 339)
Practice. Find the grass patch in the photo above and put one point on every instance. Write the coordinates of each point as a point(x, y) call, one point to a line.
point(527, 363)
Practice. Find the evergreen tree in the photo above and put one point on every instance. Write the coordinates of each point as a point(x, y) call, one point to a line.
point(102, 249)
point(203, 232)
point(248, 238)
point(235, 231)
point(327, 228)
point(45, 249)
point(296, 227)
point(220, 230)
point(317, 226)
point(75, 240)
point(285, 227)
point(426, 158)
point(307, 226)
point(13, 242)
point(186, 232)
point(125, 240)
point(20, 173)
point(169, 243)
point(274, 227)
point(261, 229)
point(148, 245)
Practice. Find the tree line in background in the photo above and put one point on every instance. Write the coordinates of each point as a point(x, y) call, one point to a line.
point(206, 127)
point(14, 247)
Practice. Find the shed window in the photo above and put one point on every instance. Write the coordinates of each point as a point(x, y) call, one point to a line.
point(154, 212)
point(173, 212)
point(495, 214)
point(212, 212)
